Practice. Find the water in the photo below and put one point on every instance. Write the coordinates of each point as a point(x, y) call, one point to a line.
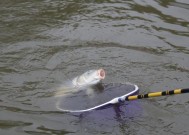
point(45, 42)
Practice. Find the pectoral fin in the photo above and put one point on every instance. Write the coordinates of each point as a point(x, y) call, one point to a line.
point(90, 92)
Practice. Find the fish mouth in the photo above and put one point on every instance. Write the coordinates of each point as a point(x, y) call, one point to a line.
point(101, 73)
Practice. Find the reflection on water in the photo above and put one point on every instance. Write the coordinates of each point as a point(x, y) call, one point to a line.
point(44, 43)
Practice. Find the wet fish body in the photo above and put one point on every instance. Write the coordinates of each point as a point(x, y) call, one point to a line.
point(89, 78)
point(86, 81)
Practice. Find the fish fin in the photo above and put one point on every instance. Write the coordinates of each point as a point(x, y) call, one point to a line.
point(62, 91)
point(90, 92)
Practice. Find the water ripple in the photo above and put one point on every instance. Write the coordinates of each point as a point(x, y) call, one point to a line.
point(44, 43)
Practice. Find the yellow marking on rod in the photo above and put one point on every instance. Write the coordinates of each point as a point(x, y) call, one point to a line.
point(167, 92)
point(133, 97)
point(155, 94)
point(177, 91)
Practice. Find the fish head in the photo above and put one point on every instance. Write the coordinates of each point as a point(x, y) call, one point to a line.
point(91, 77)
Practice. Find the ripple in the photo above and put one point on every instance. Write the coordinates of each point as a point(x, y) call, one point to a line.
point(44, 43)
point(5, 124)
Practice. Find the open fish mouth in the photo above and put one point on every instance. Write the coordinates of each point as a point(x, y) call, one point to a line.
point(101, 73)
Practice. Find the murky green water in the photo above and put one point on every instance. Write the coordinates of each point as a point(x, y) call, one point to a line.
point(45, 42)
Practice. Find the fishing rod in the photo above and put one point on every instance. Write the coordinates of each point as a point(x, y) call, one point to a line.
point(157, 94)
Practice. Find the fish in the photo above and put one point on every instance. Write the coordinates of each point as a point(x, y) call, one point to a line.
point(89, 78)
point(85, 81)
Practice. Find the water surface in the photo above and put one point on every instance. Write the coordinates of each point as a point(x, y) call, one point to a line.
point(43, 43)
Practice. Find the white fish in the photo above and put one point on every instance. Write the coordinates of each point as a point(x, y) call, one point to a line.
point(89, 78)
point(83, 82)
